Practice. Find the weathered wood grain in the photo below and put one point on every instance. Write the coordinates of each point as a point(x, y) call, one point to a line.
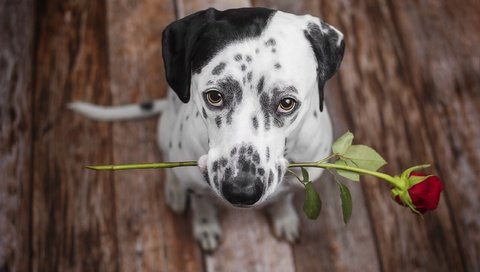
point(150, 237)
point(440, 43)
point(73, 212)
point(186, 7)
point(408, 86)
point(386, 111)
point(16, 45)
point(296, 7)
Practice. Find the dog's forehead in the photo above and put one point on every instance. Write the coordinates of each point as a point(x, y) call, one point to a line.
point(281, 52)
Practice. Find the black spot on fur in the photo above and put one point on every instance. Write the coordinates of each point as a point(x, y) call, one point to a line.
point(266, 109)
point(255, 122)
point(270, 178)
point(279, 173)
point(249, 58)
point(243, 149)
point(256, 157)
point(206, 178)
point(260, 84)
point(210, 82)
point(146, 106)
point(277, 66)
point(271, 42)
point(291, 89)
point(249, 76)
point(261, 171)
point(204, 220)
point(250, 150)
point(219, 68)
point(244, 166)
point(197, 114)
point(232, 91)
point(218, 121)
point(268, 153)
point(228, 174)
point(253, 169)
point(237, 57)
point(179, 145)
point(244, 67)
point(233, 152)
point(229, 117)
point(215, 166)
point(215, 181)
point(170, 144)
point(315, 113)
point(278, 122)
point(204, 113)
point(257, 51)
point(223, 162)
point(274, 50)
point(186, 117)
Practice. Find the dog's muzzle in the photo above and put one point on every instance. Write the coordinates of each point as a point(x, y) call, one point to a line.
point(243, 190)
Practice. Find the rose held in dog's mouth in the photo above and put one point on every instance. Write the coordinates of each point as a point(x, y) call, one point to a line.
point(419, 192)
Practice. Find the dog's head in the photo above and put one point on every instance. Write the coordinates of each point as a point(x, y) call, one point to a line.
point(253, 73)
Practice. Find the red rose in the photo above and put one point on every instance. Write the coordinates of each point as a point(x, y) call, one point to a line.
point(425, 194)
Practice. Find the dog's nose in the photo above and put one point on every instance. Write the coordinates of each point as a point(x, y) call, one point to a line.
point(243, 190)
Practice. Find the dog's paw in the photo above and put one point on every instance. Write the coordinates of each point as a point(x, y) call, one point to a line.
point(175, 195)
point(286, 226)
point(207, 232)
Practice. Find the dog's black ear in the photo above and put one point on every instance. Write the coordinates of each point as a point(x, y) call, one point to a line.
point(328, 45)
point(178, 46)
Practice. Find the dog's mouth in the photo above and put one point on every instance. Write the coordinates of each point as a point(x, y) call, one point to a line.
point(243, 190)
point(240, 186)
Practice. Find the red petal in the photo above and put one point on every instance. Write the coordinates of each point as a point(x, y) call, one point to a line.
point(426, 194)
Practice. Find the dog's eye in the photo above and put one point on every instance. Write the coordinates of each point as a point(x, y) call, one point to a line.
point(214, 98)
point(286, 105)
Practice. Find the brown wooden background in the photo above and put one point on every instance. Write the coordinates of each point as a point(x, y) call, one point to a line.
point(409, 86)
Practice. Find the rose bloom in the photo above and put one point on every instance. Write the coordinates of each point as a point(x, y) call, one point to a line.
point(426, 194)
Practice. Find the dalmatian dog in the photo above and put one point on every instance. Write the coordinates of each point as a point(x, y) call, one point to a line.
point(246, 99)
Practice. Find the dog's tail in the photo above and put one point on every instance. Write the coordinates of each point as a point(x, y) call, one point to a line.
point(115, 113)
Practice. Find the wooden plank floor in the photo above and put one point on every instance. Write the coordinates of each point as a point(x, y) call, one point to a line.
point(409, 86)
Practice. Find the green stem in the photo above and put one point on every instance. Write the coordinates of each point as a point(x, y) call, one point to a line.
point(320, 164)
point(142, 166)
point(325, 165)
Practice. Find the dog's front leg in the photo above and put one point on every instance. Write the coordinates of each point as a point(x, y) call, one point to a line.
point(175, 193)
point(284, 218)
point(206, 228)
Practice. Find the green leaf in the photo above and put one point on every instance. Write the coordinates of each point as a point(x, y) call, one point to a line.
point(312, 203)
point(306, 177)
point(364, 157)
point(347, 174)
point(341, 145)
point(346, 198)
